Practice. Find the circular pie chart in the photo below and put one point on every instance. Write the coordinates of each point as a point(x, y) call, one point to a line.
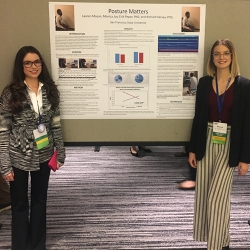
point(139, 78)
point(118, 79)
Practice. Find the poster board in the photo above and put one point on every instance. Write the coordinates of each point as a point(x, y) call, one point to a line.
point(31, 27)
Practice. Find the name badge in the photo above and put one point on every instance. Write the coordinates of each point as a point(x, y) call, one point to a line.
point(41, 138)
point(219, 133)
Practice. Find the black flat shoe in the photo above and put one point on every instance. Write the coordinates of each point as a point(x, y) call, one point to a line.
point(225, 248)
point(134, 154)
point(145, 149)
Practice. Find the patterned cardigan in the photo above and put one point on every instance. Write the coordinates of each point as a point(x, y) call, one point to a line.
point(17, 143)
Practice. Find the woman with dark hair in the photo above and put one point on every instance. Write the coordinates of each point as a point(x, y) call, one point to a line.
point(30, 131)
point(220, 141)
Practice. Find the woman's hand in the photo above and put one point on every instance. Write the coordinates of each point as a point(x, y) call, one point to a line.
point(9, 177)
point(192, 160)
point(242, 168)
point(58, 165)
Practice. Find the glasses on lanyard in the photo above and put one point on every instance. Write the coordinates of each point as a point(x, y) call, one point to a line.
point(28, 64)
point(225, 54)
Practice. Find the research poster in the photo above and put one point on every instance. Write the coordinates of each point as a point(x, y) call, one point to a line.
point(126, 60)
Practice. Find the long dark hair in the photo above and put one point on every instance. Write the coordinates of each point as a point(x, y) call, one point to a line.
point(17, 86)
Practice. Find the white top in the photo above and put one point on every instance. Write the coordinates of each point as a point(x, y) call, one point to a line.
point(59, 21)
point(36, 100)
point(185, 22)
point(194, 82)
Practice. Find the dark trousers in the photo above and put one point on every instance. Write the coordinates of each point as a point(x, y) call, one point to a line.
point(4, 191)
point(29, 228)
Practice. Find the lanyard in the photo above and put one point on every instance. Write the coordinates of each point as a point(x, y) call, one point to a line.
point(220, 103)
point(41, 127)
point(39, 114)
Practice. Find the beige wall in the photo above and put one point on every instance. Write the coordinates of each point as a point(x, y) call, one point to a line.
point(26, 22)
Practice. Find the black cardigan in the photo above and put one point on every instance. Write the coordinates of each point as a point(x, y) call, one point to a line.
point(240, 125)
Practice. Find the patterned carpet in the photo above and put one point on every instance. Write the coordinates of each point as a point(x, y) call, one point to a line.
point(112, 200)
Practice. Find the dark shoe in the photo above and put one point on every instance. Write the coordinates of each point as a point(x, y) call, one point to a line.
point(225, 248)
point(4, 207)
point(180, 154)
point(134, 154)
point(145, 149)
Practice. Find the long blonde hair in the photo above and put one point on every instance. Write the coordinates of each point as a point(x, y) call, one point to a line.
point(234, 66)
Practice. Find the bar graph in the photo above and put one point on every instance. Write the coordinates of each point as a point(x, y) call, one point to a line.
point(138, 57)
point(119, 58)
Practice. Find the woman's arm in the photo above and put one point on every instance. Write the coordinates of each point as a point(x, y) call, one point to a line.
point(198, 109)
point(57, 136)
point(5, 127)
point(192, 160)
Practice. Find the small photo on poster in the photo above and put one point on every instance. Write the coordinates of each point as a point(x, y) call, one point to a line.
point(190, 19)
point(64, 18)
point(68, 63)
point(190, 82)
point(87, 63)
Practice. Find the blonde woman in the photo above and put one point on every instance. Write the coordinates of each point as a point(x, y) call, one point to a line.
point(220, 141)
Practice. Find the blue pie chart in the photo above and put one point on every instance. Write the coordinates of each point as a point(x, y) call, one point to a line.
point(118, 79)
point(139, 78)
